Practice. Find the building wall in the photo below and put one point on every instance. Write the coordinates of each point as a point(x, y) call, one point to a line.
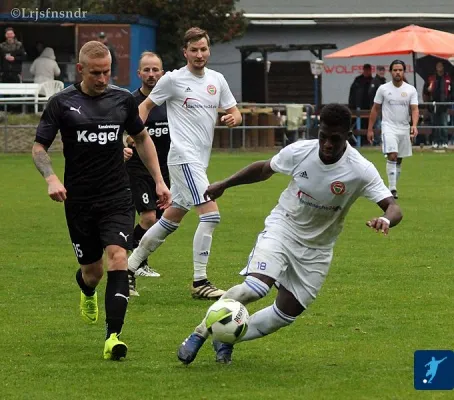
point(344, 6)
point(142, 38)
point(139, 36)
point(339, 73)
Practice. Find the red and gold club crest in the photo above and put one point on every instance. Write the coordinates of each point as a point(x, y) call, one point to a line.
point(338, 188)
point(211, 89)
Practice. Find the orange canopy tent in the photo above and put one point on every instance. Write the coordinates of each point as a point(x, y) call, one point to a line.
point(409, 40)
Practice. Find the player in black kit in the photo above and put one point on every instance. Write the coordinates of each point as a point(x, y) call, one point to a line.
point(142, 184)
point(92, 117)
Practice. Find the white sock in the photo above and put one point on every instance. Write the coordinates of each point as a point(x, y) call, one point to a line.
point(252, 289)
point(153, 238)
point(398, 169)
point(392, 174)
point(202, 243)
point(266, 321)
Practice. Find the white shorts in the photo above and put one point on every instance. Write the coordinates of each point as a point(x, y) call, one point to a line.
point(300, 269)
point(188, 183)
point(397, 142)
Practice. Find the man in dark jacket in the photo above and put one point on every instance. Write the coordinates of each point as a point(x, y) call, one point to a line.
point(375, 84)
point(438, 89)
point(359, 92)
point(114, 74)
point(12, 54)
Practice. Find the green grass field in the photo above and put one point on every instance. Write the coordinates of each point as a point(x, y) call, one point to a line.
point(384, 298)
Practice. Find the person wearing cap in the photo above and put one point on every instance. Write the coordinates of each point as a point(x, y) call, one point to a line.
point(102, 37)
point(12, 54)
point(359, 92)
point(378, 80)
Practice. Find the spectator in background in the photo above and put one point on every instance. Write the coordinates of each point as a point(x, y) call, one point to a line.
point(438, 88)
point(114, 68)
point(375, 84)
point(378, 80)
point(36, 51)
point(12, 54)
point(45, 68)
point(359, 93)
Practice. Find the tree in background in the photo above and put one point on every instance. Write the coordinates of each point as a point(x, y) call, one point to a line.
point(219, 17)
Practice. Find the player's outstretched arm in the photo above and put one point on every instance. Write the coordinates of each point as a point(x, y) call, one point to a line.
point(392, 216)
point(144, 109)
point(147, 152)
point(255, 172)
point(43, 164)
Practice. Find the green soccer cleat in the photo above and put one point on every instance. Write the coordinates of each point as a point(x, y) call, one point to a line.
point(114, 349)
point(89, 308)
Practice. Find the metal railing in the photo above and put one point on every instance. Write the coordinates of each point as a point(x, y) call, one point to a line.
point(426, 109)
point(277, 108)
point(306, 130)
point(244, 128)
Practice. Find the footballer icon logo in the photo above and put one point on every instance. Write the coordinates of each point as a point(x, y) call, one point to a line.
point(338, 188)
point(211, 89)
point(433, 370)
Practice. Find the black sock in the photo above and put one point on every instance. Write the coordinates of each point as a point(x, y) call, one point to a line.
point(199, 283)
point(138, 234)
point(86, 290)
point(116, 301)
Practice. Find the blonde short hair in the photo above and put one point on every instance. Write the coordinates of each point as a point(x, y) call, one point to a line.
point(93, 49)
point(148, 54)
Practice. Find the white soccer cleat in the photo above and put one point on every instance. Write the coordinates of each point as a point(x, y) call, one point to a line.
point(145, 270)
point(207, 292)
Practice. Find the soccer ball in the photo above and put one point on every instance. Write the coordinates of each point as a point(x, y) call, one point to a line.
point(227, 320)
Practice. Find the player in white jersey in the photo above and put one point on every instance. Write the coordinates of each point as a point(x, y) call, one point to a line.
point(192, 95)
point(295, 249)
point(395, 98)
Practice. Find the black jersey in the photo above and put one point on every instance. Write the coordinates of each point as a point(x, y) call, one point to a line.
point(92, 129)
point(158, 129)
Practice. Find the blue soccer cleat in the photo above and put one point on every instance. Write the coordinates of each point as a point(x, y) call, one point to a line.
point(223, 352)
point(187, 352)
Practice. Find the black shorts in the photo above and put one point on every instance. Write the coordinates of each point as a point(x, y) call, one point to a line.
point(94, 226)
point(144, 192)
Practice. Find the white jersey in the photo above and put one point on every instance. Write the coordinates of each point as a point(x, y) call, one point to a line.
point(192, 103)
point(396, 103)
point(312, 209)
